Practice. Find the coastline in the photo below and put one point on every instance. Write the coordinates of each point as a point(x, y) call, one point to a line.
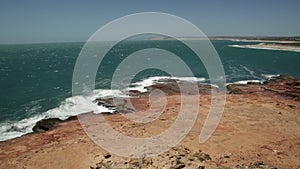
point(261, 39)
point(285, 47)
point(259, 128)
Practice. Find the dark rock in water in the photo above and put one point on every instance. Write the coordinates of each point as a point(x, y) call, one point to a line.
point(48, 124)
point(254, 83)
point(108, 113)
point(107, 102)
point(110, 102)
point(134, 93)
point(105, 105)
point(116, 104)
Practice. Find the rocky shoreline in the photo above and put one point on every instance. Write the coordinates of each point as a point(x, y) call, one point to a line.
point(259, 129)
point(282, 86)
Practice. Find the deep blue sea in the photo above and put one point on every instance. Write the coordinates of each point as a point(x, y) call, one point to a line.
point(36, 79)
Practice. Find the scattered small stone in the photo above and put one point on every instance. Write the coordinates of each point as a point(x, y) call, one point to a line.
point(107, 155)
point(277, 152)
point(257, 164)
point(201, 167)
point(178, 166)
point(99, 165)
point(292, 106)
point(178, 161)
point(136, 164)
point(207, 157)
point(201, 159)
point(191, 159)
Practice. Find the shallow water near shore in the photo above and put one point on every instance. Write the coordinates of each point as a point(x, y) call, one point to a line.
point(36, 79)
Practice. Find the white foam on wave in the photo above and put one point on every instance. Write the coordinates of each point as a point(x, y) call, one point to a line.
point(103, 93)
point(263, 78)
point(71, 106)
point(237, 46)
point(269, 76)
point(247, 81)
point(10, 130)
point(141, 85)
point(189, 79)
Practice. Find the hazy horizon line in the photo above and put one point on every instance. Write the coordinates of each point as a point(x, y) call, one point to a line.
point(209, 37)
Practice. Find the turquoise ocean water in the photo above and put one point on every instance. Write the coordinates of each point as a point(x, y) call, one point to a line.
point(36, 79)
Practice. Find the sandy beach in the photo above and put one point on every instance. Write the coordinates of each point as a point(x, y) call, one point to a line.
point(285, 46)
point(259, 129)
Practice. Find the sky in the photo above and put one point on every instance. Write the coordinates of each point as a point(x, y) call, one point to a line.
point(36, 21)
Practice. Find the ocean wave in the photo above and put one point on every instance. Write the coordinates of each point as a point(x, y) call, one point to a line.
point(247, 81)
point(269, 76)
point(13, 129)
point(69, 107)
point(141, 86)
point(261, 79)
point(251, 72)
